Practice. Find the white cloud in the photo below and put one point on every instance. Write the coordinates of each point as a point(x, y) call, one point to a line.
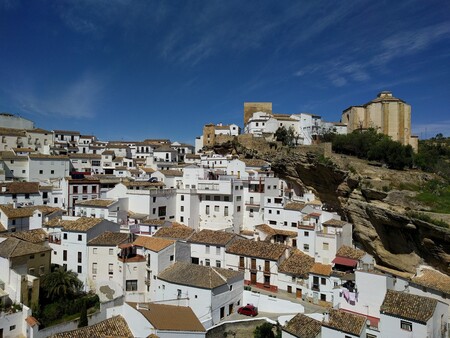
point(77, 100)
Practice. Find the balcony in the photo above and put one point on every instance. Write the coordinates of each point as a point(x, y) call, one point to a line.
point(315, 287)
point(252, 204)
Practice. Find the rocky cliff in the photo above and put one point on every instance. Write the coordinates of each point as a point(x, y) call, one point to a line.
point(366, 196)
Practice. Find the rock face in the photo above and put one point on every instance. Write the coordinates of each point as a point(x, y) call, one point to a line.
point(358, 192)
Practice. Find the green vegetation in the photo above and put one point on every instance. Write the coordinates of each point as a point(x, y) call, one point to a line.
point(265, 330)
point(436, 195)
point(372, 146)
point(83, 315)
point(434, 155)
point(426, 218)
point(61, 298)
point(288, 137)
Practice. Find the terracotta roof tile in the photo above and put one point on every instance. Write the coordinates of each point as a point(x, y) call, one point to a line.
point(298, 264)
point(433, 279)
point(218, 238)
point(144, 184)
point(335, 223)
point(345, 322)
point(24, 212)
point(273, 231)
point(408, 306)
point(349, 252)
point(176, 173)
point(182, 233)
point(303, 326)
point(36, 236)
point(20, 188)
point(115, 327)
point(101, 203)
point(321, 269)
point(205, 277)
point(294, 206)
point(82, 224)
point(13, 247)
point(170, 317)
point(48, 157)
point(109, 238)
point(250, 248)
point(153, 243)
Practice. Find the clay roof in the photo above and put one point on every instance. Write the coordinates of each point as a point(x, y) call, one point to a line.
point(152, 243)
point(273, 231)
point(200, 276)
point(101, 203)
point(20, 188)
point(66, 132)
point(218, 238)
point(13, 247)
point(335, 223)
point(150, 221)
point(303, 326)
point(314, 202)
point(108, 152)
point(193, 156)
point(177, 173)
point(109, 238)
point(85, 156)
point(175, 232)
point(298, 264)
point(345, 322)
point(82, 224)
point(12, 132)
point(48, 157)
point(169, 317)
point(321, 269)
point(250, 248)
point(349, 252)
point(148, 170)
point(31, 321)
point(294, 206)
point(115, 327)
point(433, 279)
point(23, 212)
point(144, 184)
point(33, 236)
point(408, 306)
point(23, 150)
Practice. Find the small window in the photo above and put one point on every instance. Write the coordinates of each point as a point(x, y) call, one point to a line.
point(323, 281)
point(41, 172)
point(182, 197)
point(306, 247)
point(111, 251)
point(79, 257)
point(94, 251)
point(218, 264)
point(171, 258)
point(131, 285)
point(110, 269)
point(79, 269)
point(41, 270)
point(31, 256)
point(80, 238)
point(12, 328)
point(326, 246)
point(306, 233)
point(404, 325)
point(207, 262)
point(65, 235)
point(216, 208)
point(52, 172)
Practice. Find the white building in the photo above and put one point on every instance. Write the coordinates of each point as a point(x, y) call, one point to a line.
point(114, 210)
point(342, 324)
point(212, 293)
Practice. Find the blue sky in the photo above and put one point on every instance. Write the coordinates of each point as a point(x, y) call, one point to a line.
point(162, 69)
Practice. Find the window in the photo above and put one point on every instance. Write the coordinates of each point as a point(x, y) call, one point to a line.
point(404, 325)
point(207, 262)
point(131, 285)
point(269, 200)
point(110, 269)
point(323, 297)
point(181, 219)
point(182, 197)
point(161, 211)
point(79, 269)
point(306, 247)
point(75, 190)
point(64, 255)
point(226, 198)
point(171, 258)
point(207, 249)
point(31, 271)
point(12, 328)
point(278, 212)
point(218, 264)
point(111, 251)
point(325, 246)
point(41, 172)
point(79, 257)
point(238, 198)
point(207, 198)
point(94, 251)
point(55, 200)
point(182, 208)
point(306, 233)
point(241, 262)
point(216, 198)
point(323, 281)
point(31, 256)
point(216, 208)
point(80, 238)
point(217, 250)
point(154, 199)
point(94, 268)
point(154, 211)
point(238, 209)
point(52, 172)
point(94, 189)
point(225, 211)
point(270, 211)
point(178, 293)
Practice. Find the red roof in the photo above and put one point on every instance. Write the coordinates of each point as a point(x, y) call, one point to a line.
point(345, 261)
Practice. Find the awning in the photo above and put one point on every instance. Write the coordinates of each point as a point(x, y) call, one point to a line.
point(345, 261)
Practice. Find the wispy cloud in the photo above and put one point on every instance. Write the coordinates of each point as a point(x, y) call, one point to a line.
point(76, 100)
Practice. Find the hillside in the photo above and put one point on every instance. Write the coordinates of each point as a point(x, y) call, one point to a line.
point(397, 215)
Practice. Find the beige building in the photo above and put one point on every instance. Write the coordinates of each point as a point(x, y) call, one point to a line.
point(387, 114)
point(253, 107)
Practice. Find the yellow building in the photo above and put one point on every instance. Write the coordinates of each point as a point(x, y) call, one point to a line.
point(386, 114)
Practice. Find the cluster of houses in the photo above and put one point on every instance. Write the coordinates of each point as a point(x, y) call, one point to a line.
point(174, 242)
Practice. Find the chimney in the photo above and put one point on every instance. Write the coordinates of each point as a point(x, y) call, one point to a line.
point(326, 317)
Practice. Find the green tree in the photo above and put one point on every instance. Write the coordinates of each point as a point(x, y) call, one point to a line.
point(83, 315)
point(61, 284)
point(264, 331)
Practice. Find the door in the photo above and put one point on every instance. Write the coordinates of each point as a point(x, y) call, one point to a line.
point(289, 289)
point(298, 293)
point(253, 277)
point(230, 309)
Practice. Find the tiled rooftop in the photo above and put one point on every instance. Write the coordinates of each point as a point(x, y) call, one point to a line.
point(20, 188)
point(298, 206)
point(153, 243)
point(345, 322)
point(303, 326)
point(109, 238)
point(82, 224)
point(408, 306)
point(176, 173)
point(298, 264)
point(205, 277)
point(335, 223)
point(349, 252)
point(250, 248)
point(169, 317)
point(13, 247)
point(115, 327)
point(433, 279)
point(23, 212)
point(182, 233)
point(102, 203)
point(273, 231)
point(254, 162)
point(219, 238)
point(321, 269)
point(33, 236)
